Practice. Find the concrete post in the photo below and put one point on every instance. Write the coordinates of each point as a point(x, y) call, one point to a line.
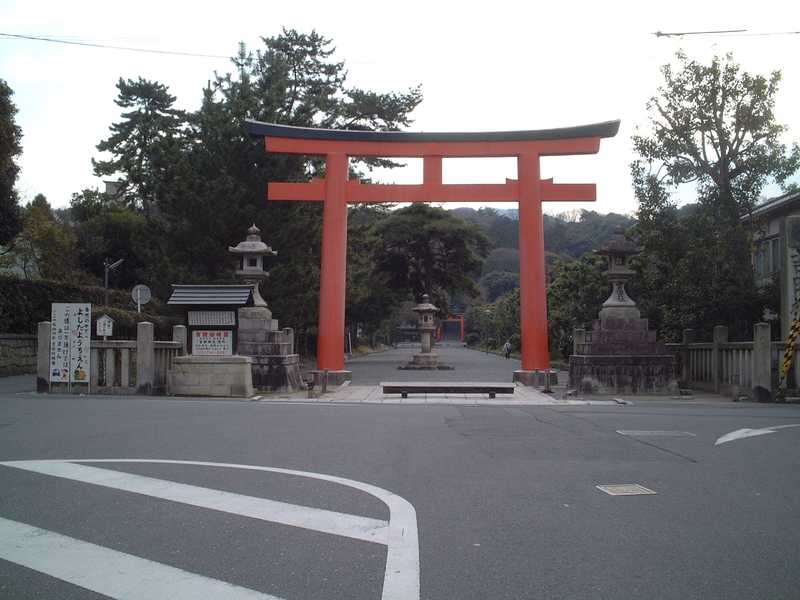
point(578, 340)
point(689, 337)
point(762, 356)
point(109, 362)
point(720, 336)
point(179, 335)
point(145, 358)
point(43, 357)
point(125, 368)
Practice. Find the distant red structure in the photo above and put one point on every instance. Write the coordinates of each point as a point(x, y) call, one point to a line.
point(336, 191)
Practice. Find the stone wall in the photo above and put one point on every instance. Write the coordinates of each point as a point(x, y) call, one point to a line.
point(17, 354)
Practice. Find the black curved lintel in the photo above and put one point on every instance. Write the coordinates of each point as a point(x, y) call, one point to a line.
point(605, 129)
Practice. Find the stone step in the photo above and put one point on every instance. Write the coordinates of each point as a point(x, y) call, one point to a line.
point(264, 337)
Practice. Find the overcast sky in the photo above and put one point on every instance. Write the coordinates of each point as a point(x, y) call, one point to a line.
point(482, 66)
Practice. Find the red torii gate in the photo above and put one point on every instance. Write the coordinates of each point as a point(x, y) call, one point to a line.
point(336, 191)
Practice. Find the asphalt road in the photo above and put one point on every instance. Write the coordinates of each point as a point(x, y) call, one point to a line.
point(468, 365)
point(505, 500)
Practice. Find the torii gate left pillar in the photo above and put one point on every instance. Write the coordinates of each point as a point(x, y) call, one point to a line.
point(336, 191)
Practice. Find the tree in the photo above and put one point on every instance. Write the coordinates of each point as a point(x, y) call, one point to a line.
point(145, 145)
point(427, 250)
point(44, 248)
point(294, 80)
point(713, 126)
point(497, 283)
point(10, 135)
point(502, 259)
point(574, 297)
point(108, 229)
point(200, 180)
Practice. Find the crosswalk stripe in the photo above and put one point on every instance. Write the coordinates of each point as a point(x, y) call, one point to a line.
point(316, 519)
point(110, 572)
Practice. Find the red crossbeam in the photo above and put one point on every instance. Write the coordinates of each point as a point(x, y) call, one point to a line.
point(557, 147)
point(371, 193)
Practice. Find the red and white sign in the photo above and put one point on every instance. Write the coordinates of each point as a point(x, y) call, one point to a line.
point(212, 343)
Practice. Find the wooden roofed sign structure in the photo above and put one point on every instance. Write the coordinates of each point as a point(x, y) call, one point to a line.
point(336, 191)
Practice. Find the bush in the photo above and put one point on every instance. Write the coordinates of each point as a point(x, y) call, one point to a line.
point(472, 338)
point(24, 302)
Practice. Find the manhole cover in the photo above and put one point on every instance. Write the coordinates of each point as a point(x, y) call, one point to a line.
point(624, 489)
point(648, 433)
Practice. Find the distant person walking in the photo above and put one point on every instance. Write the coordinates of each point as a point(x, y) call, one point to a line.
point(507, 349)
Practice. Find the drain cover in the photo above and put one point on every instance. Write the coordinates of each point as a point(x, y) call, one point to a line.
point(648, 433)
point(624, 489)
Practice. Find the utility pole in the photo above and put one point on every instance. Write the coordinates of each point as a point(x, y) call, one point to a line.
point(107, 267)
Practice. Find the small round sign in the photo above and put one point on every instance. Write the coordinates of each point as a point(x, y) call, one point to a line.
point(141, 293)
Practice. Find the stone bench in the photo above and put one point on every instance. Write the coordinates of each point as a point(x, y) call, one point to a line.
point(404, 388)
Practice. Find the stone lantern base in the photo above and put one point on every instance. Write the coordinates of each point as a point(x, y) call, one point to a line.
point(425, 361)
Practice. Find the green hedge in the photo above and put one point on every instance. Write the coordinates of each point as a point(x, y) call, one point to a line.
point(24, 302)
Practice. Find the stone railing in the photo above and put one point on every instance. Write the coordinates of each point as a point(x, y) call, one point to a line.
point(730, 368)
point(137, 366)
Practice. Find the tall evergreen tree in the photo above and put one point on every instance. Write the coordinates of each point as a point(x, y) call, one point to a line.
point(10, 135)
point(294, 79)
point(145, 145)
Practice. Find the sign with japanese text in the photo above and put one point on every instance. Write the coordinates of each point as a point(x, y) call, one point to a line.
point(70, 342)
point(212, 342)
point(105, 326)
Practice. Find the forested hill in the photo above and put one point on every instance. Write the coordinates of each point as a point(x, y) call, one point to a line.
point(568, 234)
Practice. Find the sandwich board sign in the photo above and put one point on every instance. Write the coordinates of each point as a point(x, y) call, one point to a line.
point(70, 342)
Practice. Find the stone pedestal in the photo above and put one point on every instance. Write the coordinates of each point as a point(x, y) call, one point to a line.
point(542, 379)
point(621, 356)
point(275, 365)
point(217, 376)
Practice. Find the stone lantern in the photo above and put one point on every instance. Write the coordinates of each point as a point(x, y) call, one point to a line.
point(251, 253)
point(425, 312)
point(426, 359)
point(618, 251)
point(620, 353)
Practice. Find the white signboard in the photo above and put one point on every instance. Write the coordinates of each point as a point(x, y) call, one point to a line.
point(212, 342)
point(70, 342)
point(105, 326)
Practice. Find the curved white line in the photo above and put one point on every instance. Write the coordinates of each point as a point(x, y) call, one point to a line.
point(401, 579)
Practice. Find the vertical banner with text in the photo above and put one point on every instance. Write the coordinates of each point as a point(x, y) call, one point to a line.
point(70, 342)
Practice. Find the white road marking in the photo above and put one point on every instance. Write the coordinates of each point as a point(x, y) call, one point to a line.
point(740, 434)
point(109, 572)
point(401, 578)
point(325, 521)
point(654, 433)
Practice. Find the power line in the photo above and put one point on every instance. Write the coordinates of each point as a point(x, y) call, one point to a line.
point(725, 32)
point(682, 33)
point(109, 46)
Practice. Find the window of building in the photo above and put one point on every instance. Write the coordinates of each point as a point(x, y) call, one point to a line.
point(767, 257)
